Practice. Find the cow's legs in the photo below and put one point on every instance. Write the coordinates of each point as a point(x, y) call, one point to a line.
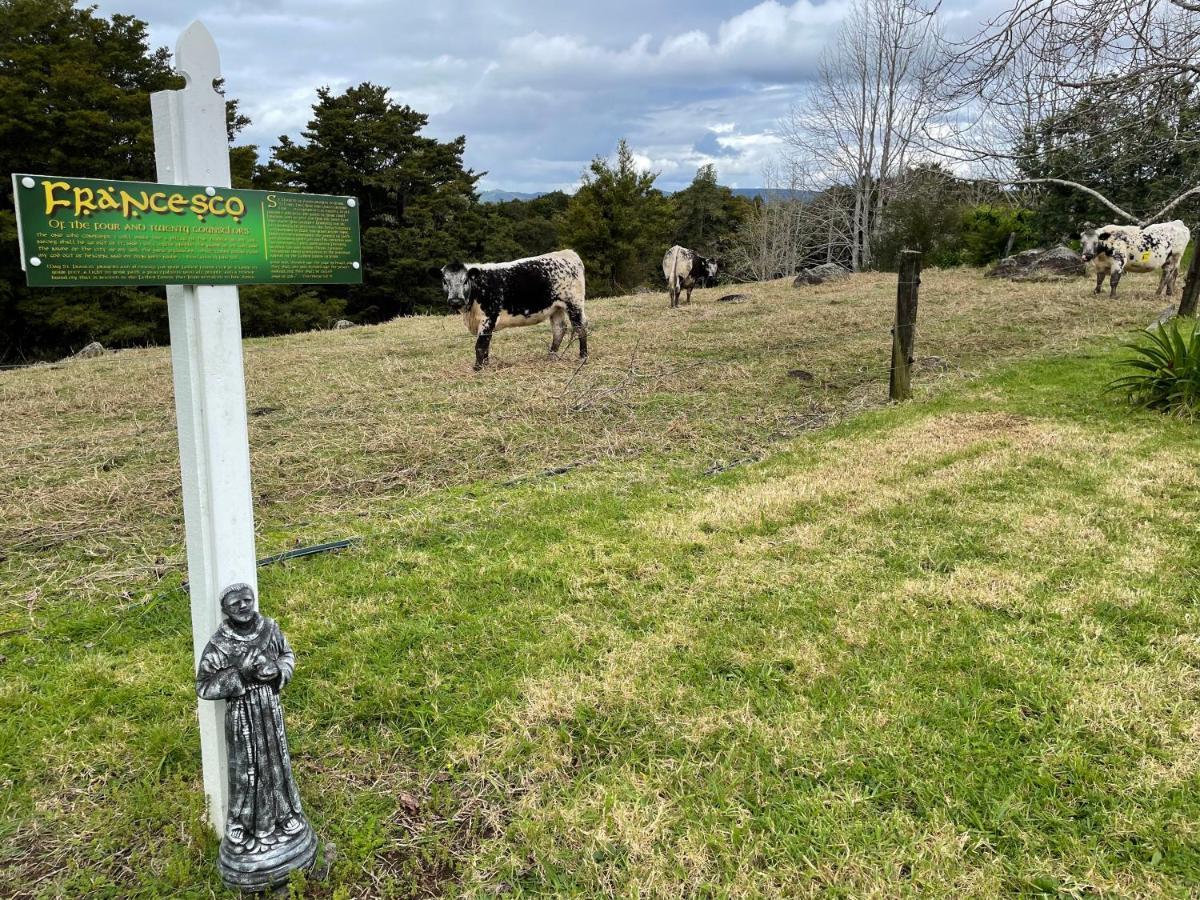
point(483, 343)
point(1113, 280)
point(689, 292)
point(1099, 281)
point(579, 328)
point(673, 289)
point(558, 326)
point(1170, 274)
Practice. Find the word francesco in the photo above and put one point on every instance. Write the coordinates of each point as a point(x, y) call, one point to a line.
point(83, 201)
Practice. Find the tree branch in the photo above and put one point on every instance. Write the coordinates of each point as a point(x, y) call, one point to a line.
point(1091, 192)
point(1170, 206)
point(1071, 184)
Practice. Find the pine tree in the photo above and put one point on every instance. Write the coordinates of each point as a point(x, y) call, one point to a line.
point(619, 223)
point(707, 215)
point(418, 203)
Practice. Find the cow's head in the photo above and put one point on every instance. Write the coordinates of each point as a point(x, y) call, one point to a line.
point(704, 269)
point(1092, 243)
point(457, 281)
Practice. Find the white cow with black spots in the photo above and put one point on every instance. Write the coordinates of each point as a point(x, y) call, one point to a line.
point(1117, 249)
point(494, 296)
point(684, 269)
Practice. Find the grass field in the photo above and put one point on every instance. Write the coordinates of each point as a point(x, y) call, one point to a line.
point(764, 636)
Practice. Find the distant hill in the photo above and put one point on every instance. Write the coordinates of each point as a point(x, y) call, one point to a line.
point(496, 196)
point(505, 196)
point(774, 193)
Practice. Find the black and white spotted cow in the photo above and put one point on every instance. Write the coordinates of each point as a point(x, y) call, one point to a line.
point(1116, 249)
point(684, 269)
point(493, 296)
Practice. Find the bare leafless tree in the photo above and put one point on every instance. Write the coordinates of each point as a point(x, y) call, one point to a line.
point(862, 123)
point(1038, 59)
point(791, 227)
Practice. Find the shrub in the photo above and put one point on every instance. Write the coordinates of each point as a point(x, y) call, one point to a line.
point(985, 231)
point(1166, 374)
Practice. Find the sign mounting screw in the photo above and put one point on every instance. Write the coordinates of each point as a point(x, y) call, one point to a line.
point(350, 201)
point(35, 261)
point(27, 182)
point(356, 264)
point(211, 191)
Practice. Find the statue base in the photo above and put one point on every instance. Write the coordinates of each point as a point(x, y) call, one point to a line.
point(268, 867)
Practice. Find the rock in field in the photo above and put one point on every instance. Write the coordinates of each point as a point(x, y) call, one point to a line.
point(1040, 265)
point(92, 350)
point(342, 323)
point(821, 274)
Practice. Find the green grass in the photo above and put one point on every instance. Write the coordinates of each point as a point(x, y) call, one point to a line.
point(943, 649)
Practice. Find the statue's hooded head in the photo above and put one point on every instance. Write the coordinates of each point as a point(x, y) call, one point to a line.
point(238, 604)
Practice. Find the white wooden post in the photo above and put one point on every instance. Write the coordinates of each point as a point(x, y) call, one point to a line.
point(191, 147)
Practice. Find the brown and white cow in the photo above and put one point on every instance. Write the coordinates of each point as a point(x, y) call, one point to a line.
point(1116, 249)
point(494, 296)
point(684, 269)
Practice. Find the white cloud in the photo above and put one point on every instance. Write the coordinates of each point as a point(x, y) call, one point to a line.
point(770, 41)
point(538, 87)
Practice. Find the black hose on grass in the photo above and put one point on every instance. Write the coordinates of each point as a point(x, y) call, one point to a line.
point(299, 552)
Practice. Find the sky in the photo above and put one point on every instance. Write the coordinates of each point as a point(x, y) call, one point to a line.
point(540, 87)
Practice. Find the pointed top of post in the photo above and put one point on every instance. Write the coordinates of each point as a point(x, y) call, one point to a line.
point(196, 56)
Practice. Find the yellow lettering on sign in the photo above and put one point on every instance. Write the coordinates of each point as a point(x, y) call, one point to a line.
point(129, 202)
point(52, 202)
point(82, 201)
point(105, 200)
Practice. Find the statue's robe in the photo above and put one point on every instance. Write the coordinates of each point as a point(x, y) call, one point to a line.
point(262, 792)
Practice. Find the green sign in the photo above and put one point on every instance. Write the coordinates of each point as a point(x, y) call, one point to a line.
point(86, 231)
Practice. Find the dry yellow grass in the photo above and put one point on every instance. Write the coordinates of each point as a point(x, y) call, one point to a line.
point(89, 495)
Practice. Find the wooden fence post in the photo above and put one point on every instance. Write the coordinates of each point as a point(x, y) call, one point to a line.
point(904, 331)
point(1191, 287)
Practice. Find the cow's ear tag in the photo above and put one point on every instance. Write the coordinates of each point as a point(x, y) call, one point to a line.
point(1146, 256)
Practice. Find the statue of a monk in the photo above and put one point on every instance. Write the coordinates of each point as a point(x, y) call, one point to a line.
point(246, 663)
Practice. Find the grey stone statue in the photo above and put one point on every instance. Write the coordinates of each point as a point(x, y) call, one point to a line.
point(246, 663)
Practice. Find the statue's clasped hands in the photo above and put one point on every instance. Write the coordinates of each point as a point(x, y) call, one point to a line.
point(259, 668)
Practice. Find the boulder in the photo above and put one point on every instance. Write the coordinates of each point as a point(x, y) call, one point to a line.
point(733, 298)
point(92, 350)
point(1040, 265)
point(342, 323)
point(821, 274)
